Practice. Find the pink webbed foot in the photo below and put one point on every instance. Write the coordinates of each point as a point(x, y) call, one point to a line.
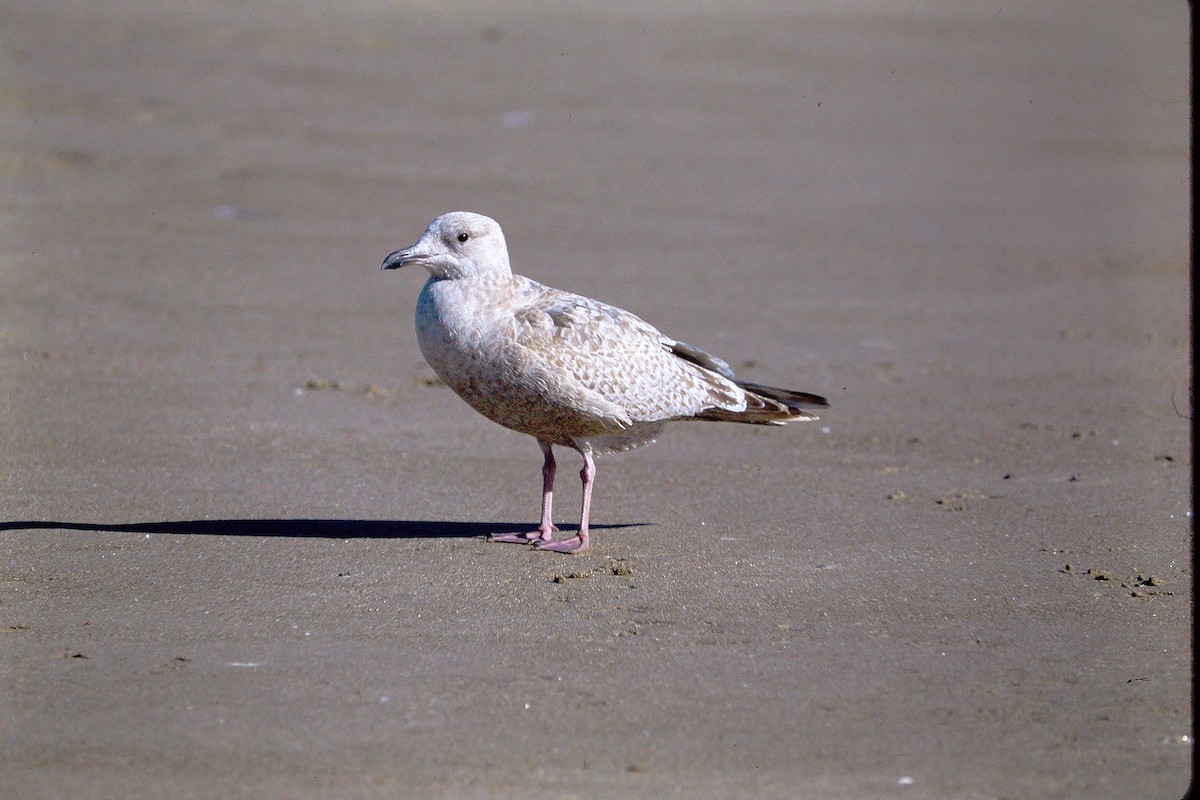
point(529, 537)
point(575, 544)
point(579, 542)
point(546, 530)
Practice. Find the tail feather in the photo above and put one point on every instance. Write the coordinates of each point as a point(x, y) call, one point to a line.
point(765, 405)
point(792, 399)
point(768, 405)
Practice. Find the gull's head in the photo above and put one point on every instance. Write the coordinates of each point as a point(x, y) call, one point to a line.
point(457, 245)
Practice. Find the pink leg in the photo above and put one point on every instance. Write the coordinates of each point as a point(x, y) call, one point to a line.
point(579, 542)
point(546, 529)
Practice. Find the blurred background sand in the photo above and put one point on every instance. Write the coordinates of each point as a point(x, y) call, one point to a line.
point(242, 528)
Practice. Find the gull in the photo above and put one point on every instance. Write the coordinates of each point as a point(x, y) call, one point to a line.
point(565, 369)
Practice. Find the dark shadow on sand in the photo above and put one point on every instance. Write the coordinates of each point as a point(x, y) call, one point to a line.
point(303, 528)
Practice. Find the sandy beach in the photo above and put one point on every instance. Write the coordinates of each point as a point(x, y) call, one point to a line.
point(243, 529)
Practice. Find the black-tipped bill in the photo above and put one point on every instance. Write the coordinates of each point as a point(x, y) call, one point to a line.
point(396, 260)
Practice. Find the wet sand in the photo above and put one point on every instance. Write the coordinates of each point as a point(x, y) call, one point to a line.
point(242, 529)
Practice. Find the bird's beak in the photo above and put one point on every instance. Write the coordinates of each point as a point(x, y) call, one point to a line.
point(398, 259)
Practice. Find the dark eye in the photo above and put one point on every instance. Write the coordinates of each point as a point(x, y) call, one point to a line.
point(462, 237)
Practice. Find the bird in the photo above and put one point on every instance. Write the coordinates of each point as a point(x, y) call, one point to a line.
point(565, 369)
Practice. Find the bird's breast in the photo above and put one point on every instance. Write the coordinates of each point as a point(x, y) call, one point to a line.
point(464, 342)
point(452, 331)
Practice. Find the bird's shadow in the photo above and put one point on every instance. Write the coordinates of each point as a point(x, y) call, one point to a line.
point(300, 528)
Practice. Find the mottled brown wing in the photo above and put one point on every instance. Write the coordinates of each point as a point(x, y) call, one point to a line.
point(619, 357)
